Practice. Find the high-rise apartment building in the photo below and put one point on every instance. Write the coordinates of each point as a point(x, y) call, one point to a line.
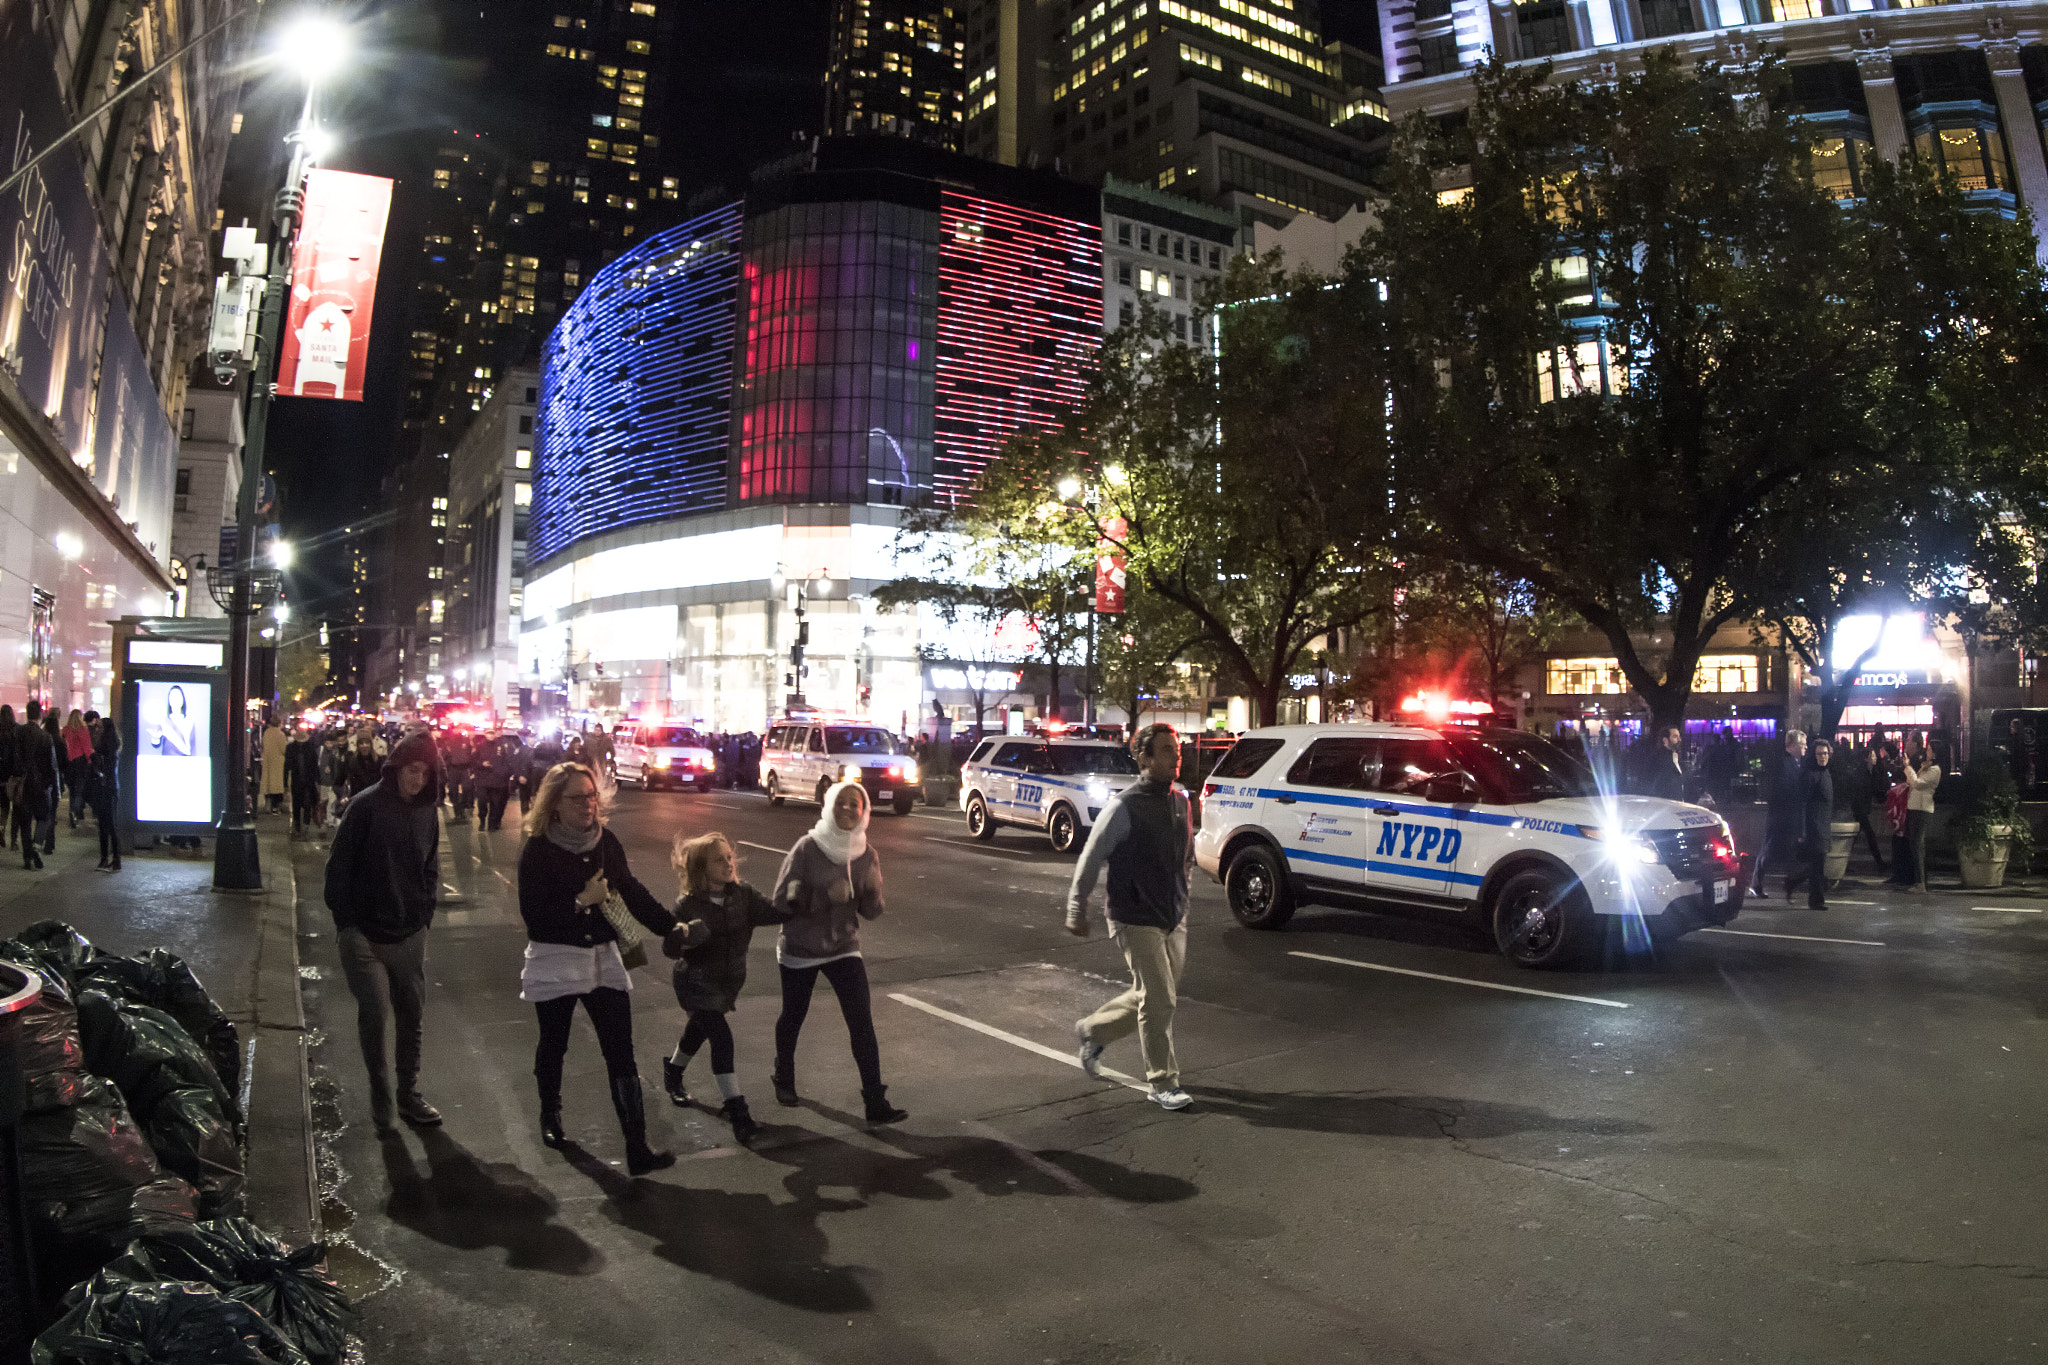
point(1240, 105)
point(895, 69)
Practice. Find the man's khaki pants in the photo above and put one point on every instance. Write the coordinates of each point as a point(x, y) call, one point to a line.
point(1156, 958)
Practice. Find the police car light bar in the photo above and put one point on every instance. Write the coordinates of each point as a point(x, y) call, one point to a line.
point(1440, 705)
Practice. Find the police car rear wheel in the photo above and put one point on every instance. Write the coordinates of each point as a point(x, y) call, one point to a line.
point(774, 791)
point(1257, 887)
point(980, 823)
point(1064, 829)
point(1538, 922)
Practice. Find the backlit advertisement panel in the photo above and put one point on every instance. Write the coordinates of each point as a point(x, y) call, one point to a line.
point(174, 754)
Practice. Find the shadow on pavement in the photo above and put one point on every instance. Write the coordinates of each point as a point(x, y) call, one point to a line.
point(1408, 1116)
point(464, 1203)
point(775, 1250)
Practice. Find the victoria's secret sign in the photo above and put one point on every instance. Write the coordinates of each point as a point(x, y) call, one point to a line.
point(51, 292)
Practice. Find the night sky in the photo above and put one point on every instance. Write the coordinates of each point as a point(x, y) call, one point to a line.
point(753, 86)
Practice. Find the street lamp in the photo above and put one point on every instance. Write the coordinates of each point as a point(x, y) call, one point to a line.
point(313, 48)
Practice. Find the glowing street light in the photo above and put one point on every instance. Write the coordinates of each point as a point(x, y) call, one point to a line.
point(281, 554)
point(313, 47)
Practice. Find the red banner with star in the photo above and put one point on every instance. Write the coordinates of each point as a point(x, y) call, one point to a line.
point(1109, 567)
point(334, 286)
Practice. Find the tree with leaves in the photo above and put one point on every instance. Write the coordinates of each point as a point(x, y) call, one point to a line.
point(1637, 356)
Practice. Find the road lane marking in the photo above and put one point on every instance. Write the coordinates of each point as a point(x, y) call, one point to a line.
point(1461, 980)
point(1862, 903)
point(975, 845)
point(765, 848)
point(1013, 1040)
point(1801, 938)
point(2008, 909)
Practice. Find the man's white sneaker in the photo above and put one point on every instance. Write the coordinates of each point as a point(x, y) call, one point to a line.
point(1090, 1052)
point(1175, 1098)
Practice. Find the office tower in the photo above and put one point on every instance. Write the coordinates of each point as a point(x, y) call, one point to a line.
point(895, 69)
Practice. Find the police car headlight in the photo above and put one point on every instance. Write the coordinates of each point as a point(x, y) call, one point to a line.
point(663, 760)
point(851, 773)
point(1624, 848)
point(901, 772)
point(1099, 790)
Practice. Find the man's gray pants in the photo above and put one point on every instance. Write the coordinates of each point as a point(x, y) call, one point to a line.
point(387, 979)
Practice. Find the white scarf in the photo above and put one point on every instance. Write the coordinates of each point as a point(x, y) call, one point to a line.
point(842, 846)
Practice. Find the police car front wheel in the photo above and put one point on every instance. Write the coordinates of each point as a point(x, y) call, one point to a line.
point(1256, 884)
point(1538, 921)
point(1063, 829)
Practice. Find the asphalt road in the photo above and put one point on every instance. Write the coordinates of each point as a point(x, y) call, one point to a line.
point(1824, 1143)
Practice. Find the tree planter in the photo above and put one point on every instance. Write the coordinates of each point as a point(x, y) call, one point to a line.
point(1984, 864)
point(1842, 838)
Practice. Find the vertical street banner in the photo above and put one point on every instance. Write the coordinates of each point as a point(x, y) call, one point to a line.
point(334, 286)
point(1109, 567)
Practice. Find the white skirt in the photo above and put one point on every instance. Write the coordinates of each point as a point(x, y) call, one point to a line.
point(554, 970)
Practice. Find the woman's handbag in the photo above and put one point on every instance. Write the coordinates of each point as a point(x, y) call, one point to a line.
point(632, 944)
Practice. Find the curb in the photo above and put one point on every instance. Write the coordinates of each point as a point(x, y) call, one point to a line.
point(282, 1173)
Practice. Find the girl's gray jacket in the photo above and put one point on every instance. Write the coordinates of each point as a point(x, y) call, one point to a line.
point(826, 900)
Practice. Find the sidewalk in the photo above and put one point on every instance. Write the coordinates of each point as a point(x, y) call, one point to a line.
point(244, 949)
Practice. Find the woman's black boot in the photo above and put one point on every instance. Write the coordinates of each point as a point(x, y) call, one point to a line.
point(672, 1082)
point(784, 1080)
point(551, 1128)
point(627, 1099)
point(879, 1108)
point(744, 1129)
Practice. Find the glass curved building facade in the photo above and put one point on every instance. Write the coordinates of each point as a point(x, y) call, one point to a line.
point(752, 397)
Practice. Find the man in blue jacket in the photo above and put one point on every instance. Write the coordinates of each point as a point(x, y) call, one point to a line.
point(383, 871)
point(1145, 840)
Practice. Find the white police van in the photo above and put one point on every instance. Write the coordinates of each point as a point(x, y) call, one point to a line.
point(1057, 785)
point(803, 757)
point(659, 754)
point(1499, 829)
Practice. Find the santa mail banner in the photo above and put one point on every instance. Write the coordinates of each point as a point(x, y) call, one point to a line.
point(1109, 567)
point(334, 286)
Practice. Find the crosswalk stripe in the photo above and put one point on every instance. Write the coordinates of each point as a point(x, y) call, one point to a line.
point(1012, 1039)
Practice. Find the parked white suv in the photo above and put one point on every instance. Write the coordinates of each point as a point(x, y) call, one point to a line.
point(802, 758)
point(1495, 828)
point(658, 754)
point(1059, 786)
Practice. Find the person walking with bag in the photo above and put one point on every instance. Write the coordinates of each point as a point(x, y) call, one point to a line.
point(1145, 841)
point(829, 882)
point(583, 910)
point(1923, 775)
point(77, 762)
point(1786, 790)
point(715, 923)
point(1816, 829)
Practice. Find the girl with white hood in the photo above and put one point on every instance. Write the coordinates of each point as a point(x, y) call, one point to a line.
point(830, 881)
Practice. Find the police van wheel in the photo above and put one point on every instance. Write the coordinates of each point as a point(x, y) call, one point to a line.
point(980, 823)
point(824, 785)
point(1064, 829)
point(1539, 922)
point(1257, 886)
point(904, 801)
point(774, 791)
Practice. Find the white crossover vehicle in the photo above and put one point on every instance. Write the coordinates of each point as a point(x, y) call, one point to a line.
point(1495, 828)
point(1059, 786)
point(658, 754)
point(802, 758)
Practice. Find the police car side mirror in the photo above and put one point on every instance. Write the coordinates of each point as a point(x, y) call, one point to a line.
point(1447, 787)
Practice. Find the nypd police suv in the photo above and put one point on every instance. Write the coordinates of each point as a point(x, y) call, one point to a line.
point(1496, 828)
point(1056, 785)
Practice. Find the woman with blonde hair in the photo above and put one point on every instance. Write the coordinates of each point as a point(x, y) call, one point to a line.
point(715, 923)
point(577, 896)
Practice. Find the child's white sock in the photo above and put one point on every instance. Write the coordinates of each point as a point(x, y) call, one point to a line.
point(728, 1085)
point(680, 1057)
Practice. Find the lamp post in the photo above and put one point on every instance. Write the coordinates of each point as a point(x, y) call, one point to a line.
point(313, 47)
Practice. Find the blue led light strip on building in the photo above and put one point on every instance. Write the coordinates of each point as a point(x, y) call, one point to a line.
point(636, 388)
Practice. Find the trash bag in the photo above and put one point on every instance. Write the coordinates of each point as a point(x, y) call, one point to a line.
point(54, 945)
point(241, 1260)
point(162, 980)
point(91, 1182)
point(171, 1089)
point(52, 1057)
point(112, 1320)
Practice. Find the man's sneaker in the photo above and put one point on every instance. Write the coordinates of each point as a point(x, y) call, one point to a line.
point(414, 1109)
point(1175, 1098)
point(1090, 1052)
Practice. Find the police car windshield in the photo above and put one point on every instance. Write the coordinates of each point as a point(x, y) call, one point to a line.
point(859, 742)
point(1074, 760)
point(673, 735)
point(1516, 768)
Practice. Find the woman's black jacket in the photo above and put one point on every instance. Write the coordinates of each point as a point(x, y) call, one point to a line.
point(550, 879)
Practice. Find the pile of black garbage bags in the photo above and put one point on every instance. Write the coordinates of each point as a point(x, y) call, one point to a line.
point(131, 1162)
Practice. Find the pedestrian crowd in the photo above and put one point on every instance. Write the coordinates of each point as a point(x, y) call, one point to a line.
point(590, 921)
point(47, 761)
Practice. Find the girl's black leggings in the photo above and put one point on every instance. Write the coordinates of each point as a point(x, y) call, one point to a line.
point(709, 1026)
point(849, 978)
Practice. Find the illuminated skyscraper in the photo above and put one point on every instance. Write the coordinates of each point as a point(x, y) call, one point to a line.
point(895, 70)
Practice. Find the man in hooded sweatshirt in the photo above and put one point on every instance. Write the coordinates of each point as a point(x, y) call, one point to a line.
point(383, 870)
